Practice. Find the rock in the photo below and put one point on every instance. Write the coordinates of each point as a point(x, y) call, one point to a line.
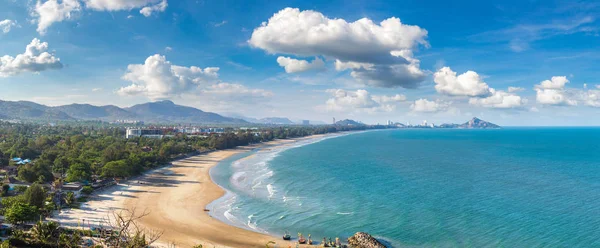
point(364, 240)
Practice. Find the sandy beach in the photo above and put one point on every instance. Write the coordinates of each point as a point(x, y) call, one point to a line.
point(175, 198)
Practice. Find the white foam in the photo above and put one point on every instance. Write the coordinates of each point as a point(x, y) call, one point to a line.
point(271, 190)
point(253, 176)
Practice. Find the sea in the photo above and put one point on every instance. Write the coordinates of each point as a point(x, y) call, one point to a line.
point(509, 187)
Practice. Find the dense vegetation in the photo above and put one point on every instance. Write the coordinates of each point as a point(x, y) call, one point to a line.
point(80, 152)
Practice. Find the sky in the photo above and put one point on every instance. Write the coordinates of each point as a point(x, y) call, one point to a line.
point(518, 63)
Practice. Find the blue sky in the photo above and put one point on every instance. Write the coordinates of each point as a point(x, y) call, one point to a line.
point(312, 60)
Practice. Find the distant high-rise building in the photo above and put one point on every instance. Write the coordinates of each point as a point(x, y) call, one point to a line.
point(390, 123)
point(424, 123)
point(333, 121)
point(305, 122)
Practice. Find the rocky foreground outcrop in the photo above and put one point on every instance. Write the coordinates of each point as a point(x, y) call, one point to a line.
point(364, 240)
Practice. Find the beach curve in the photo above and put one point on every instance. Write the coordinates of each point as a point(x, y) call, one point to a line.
point(175, 199)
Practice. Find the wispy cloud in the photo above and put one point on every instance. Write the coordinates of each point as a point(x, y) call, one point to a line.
point(239, 66)
point(220, 23)
point(520, 36)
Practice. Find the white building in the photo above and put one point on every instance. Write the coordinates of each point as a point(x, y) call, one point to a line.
point(138, 132)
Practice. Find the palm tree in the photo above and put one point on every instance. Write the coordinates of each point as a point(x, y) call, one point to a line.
point(69, 240)
point(69, 198)
point(44, 232)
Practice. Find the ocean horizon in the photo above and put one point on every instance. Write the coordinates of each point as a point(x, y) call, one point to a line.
point(512, 187)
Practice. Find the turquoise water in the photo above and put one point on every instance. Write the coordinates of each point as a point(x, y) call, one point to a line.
point(512, 187)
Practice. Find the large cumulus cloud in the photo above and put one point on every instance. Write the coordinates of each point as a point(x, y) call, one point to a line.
point(157, 78)
point(471, 84)
point(554, 91)
point(385, 48)
point(36, 58)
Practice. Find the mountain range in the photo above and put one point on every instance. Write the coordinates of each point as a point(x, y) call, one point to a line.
point(153, 112)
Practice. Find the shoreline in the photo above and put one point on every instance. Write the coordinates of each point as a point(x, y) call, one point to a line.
point(215, 207)
point(176, 198)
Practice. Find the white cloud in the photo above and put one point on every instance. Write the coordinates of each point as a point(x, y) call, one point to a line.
point(554, 97)
point(553, 92)
point(592, 97)
point(48, 12)
point(360, 101)
point(518, 45)
point(236, 91)
point(466, 84)
point(342, 66)
point(221, 23)
point(117, 5)
point(149, 10)
point(297, 65)
point(499, 99)
point(424, 105)
point(389, 99)
point(520, 36)
point(557, 82)
point(53, 11)
point(34, 59)
point(387, 45)
point(96, 89)
point(515, 89)
point(157, 78)
point(7, 25)
point(168, 49)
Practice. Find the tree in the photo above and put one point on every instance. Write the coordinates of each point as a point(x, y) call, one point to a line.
point(8, 202)
point(69, 241)
point(127, 231)
point(37, 171)
point(20, 213)
point(61, 164)
point(116, 169)
point(79, 172)
point(45, 233)
point(35, 195)
point(27, 173)
point(87, 190)
point(114, 152)
point(70, 198)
